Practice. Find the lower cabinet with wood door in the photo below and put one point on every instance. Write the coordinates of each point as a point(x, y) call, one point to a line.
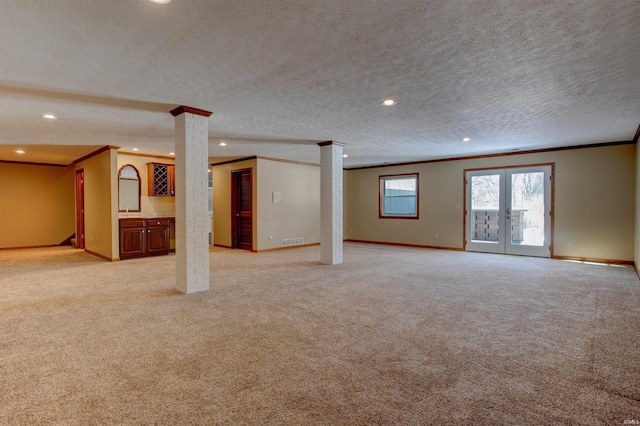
point(144, 237)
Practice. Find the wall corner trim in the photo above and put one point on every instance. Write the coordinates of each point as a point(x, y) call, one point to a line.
point(387, 243)
point(287, 247)
point(28, 163)
point(102, 256)
point(282, 160)
point(595, 260)
point(331, 143)
point(96, 152)
point(499, 154)
point(223, 246)
point(182, 109)
point(29, 247)
point(237, 160)
point(140, 154)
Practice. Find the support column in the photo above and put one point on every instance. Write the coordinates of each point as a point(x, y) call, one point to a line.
point(331, 202)
point(192, 213)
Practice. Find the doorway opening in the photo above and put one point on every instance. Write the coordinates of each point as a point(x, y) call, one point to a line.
point(509, 210)
point(241, 209)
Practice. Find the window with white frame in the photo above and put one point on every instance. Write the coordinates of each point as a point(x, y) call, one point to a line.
point(399, 196)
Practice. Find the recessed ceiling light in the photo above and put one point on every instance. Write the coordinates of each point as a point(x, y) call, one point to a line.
point(466, 139)
point(49, 116)
point(134, 149)
point(388, 102)
point(19, 151)
point(160, 1)
point(345, 155)
point(223, 144)
point(172, 153)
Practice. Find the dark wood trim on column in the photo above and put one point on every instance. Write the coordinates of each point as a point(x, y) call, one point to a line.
point(637, 136)
point(331, 143)
point(182, 109)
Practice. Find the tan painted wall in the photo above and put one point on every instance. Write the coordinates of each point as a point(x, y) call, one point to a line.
point(148, 204)
point(298, 213)
point(594, 202)
point(222, 201)
point(36, 205)
point(101, 203)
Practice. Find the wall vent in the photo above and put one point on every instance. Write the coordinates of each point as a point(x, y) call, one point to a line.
point(292, 241)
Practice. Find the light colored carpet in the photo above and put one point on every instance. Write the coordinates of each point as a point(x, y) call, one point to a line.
point(393, 336)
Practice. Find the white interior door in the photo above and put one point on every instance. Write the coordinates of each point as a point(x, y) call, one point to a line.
point(509, 211)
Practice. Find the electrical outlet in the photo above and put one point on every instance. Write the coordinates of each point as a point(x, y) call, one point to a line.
point(437, 236)
point(90, 239)
point(569, 243)
point(271, 237)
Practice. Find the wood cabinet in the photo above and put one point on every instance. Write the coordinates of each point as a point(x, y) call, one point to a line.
point(132, 238)
point(144, 237)
point(162, 180)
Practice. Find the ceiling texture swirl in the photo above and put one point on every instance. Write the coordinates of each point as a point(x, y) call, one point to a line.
point(282, 75)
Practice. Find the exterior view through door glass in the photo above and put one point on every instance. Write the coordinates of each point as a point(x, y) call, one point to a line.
point(486, 203)
point(509, 210)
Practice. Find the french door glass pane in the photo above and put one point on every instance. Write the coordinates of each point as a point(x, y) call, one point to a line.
point(485, 204)
point(527, 209)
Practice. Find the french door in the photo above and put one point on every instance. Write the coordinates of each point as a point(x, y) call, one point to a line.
point(509, 210)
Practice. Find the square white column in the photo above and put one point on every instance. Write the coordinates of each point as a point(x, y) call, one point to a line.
point(192, 212)
point(331, 202)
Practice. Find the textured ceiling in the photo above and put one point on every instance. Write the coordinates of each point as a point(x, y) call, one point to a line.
point(283, 75)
